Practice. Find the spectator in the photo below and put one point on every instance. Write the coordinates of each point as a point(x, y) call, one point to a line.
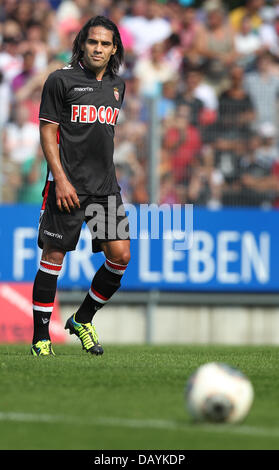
point(130, 150)
point(21, 137)
point(236, 110)
point(252, 9)
point(129, 170)
point(23, 14)
point(268, 151)
point(173, 53)
point(43, 7)
point(189, 98)
point(263, 87)
point(117, 14)
point(182, 142)
point(69, 9)
point(50, 33)
point(37, 44)
point(11, 29)
point(26, 73)
point(189, 30)
point(259, 185)
point(170, 193)
point(147, 24)
point(202, 90)
point(206, 181)
point(228, 152)
point(206, 95)
point(153, 71)
point(215, 45)
point(68, 30)
point(33, 172)
point(267, 30)
point(248, 44)
point(7, 9)
point(10, 59)
point(215, 84)
point(5, 100)
point(29, 95)
point(166, 104)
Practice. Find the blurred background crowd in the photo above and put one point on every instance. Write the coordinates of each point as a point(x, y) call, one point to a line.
point(212, 69)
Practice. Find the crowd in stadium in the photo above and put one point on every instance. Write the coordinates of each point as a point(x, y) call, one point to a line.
point(214, 72)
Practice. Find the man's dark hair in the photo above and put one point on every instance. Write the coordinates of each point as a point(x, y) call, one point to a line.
point(116, 59)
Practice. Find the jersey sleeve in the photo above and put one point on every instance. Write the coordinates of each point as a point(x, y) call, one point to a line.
point(53, 98)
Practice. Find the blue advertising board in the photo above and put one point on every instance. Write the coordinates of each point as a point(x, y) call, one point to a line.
point(231, 250)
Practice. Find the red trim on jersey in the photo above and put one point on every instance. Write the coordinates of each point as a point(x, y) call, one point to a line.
point(45, 196)
point(49, 120)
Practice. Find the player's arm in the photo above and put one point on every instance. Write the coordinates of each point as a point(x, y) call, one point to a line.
point(66, 196)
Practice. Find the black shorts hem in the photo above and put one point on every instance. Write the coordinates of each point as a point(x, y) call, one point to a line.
point(52, 244)
point(96, 243)
point(62, 230)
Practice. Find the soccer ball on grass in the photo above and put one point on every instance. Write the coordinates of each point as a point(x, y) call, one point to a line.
point(217, 392)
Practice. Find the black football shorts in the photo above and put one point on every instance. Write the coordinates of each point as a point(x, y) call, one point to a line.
point(105, 217)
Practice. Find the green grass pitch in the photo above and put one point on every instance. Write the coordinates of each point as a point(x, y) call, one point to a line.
point(132, 397)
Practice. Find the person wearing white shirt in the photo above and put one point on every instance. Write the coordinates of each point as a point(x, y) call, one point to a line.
point(10, 60)
point(248, 44)
point(147, 25)
point(153, 71)
point(201, 89)
point(21, 137)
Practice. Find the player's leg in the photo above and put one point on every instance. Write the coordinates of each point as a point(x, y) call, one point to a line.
point(58, 233)
point(105, 283)
point(44, 290)
point(107, 279)
point(109, 213)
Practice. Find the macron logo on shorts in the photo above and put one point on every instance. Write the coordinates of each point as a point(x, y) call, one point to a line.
point(90, 114)
point(55, 235)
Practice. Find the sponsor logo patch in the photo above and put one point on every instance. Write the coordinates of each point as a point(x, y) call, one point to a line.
point(91, 114)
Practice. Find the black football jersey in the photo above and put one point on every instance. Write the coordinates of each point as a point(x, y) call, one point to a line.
point(86, 110)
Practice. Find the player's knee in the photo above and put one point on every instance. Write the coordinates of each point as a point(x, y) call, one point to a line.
point(123, 257)
point(53, 256)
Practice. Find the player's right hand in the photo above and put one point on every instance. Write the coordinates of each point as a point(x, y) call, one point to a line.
point(66, 196)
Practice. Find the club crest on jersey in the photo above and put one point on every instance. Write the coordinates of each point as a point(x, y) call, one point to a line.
point(90, 114)
point(116, 93)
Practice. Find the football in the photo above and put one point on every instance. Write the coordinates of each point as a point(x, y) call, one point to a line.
point(218, 392)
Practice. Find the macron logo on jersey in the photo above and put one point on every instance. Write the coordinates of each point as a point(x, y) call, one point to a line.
point(87, 88)
point(89, 114)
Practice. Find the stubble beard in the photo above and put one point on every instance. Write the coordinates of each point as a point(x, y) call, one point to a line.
point(95, 67)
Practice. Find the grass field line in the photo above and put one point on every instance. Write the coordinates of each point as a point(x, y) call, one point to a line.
point(139, 423)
